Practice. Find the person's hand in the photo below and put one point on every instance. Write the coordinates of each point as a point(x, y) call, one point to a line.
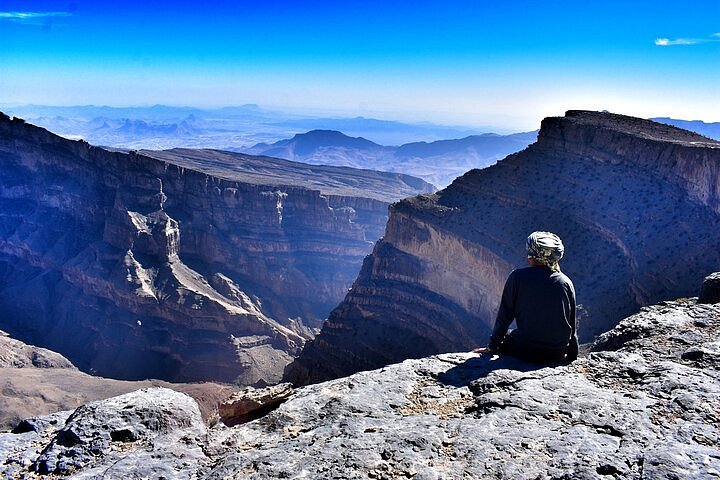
point(482, 350)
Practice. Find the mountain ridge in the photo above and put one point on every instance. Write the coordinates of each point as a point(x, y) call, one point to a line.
point(438, 162)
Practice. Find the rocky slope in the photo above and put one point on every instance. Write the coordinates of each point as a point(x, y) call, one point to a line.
point(637, 204)
point(182, 265)
point(438, 162)
point(36, 381)
point(641, 405)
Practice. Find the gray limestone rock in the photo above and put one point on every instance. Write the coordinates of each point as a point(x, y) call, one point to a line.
point(641, 405)
point(636, 407)
point(150, 433)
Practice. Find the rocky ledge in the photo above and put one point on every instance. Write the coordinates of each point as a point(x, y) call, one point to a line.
point(642, 404)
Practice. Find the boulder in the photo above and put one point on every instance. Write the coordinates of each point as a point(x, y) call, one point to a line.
point(150, 433)
point(252, 402)
point(710, 290)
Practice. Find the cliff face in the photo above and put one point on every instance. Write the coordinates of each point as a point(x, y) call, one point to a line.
point(181, 265)
point(636, 203)
point(641, 405)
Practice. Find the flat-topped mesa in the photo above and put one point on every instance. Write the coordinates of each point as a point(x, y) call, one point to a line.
point(635, 202)
point(180, 265)
point(680, 156)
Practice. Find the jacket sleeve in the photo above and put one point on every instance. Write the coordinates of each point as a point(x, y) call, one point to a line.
point(573, 346)
point(505, 315)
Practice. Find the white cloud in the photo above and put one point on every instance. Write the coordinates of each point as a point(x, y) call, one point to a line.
point(666, 42)
point(30, 16)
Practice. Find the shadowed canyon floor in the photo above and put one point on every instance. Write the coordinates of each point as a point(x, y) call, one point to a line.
point(182, 265)
point(641, 405)
point(637, 204)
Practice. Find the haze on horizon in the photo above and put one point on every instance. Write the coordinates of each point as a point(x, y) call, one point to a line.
point(506, 64)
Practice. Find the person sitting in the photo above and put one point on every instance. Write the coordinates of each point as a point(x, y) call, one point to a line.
point(541, 300)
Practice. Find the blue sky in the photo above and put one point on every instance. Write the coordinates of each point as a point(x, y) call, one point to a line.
point(477, 62)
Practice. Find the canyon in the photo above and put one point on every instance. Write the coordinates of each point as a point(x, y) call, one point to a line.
point(637, 204)
point(180, 265)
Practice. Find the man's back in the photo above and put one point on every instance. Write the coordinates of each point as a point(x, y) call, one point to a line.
point(544, 302)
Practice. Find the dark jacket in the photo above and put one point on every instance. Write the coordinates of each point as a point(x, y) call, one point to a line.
point(542, 302)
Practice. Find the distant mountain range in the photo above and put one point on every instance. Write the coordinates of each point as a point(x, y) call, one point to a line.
point(437, 162)
point(162, 127)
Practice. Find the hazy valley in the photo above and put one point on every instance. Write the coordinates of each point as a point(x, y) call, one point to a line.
point(230, 128)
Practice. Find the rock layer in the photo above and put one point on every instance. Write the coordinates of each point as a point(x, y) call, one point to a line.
point(642, 404)
point(636, 203)
point(251, 403)
point(181, 265)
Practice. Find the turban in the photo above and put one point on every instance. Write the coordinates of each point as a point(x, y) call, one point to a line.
point(546, 248)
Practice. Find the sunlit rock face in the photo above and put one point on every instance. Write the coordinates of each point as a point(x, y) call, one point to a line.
point(181, 265)
point(636, 203)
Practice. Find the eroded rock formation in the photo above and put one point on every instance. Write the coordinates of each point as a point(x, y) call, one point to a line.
point(181, 265)
point(636, 203)
point(642, 404)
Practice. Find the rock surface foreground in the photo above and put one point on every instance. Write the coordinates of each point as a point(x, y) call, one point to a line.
point(641, 405)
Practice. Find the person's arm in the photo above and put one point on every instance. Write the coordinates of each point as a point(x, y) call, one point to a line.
point(505, 315)
point(573, 347)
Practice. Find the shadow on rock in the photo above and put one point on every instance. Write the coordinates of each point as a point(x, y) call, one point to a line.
point(478, 367)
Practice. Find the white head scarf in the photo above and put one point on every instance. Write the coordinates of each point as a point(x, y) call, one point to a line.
point(546, 248)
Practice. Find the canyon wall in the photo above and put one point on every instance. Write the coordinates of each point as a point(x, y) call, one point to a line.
point(636, 203)
point(181, 265)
